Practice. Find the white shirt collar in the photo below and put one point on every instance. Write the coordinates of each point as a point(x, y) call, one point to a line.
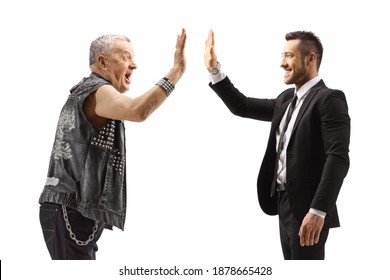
point(308, 85)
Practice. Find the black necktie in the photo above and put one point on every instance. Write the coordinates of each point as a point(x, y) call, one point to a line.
point(282, 140)
point(286, 122)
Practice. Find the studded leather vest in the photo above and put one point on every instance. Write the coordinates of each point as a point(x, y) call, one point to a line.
point(87, 164)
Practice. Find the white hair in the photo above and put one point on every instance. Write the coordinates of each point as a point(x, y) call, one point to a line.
point(102, 45)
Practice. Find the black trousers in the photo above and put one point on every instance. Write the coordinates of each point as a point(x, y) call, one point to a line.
point(289, 229)
point(57, 237)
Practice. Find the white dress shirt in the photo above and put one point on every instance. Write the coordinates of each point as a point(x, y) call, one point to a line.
point(301, 93)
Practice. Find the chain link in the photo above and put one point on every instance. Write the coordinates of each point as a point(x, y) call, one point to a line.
point(72, 235)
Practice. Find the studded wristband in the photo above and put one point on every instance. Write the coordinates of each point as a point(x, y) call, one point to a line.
point(166, 85)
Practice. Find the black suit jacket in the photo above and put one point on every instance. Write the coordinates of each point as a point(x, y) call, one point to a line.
point(317, 153)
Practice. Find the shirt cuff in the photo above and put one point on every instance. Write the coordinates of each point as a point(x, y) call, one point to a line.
point(217, 77)
point(317, 212)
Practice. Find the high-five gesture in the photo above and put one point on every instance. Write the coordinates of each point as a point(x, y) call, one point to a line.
point(306, 208)
point(95, 147)
point(179, 64)
point(210, 58)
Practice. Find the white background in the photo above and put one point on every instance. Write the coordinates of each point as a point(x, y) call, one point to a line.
point(192, 166)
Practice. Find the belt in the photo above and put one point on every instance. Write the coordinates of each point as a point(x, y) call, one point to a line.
point(280, 187)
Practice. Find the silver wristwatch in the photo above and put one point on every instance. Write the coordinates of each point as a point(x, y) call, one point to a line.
point(215, 70)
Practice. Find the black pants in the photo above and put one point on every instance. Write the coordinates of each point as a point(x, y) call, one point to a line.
point(289, 229)
point(57, 237)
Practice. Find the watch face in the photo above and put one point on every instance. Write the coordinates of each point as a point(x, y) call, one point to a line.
point(215, 70)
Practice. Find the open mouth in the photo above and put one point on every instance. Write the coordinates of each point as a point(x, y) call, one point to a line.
point(127, 77)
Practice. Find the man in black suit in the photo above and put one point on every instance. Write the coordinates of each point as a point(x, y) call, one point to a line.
point(306, 159)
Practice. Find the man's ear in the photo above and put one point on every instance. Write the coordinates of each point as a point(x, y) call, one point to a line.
point(101, 61)
point(311, 58)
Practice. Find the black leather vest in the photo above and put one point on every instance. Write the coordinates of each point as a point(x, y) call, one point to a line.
point(87, 164)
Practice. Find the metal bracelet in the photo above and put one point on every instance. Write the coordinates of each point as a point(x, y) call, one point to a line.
point(166, 85)
point(72, 235)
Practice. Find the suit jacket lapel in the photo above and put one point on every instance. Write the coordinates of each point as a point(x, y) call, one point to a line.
point(306, 103)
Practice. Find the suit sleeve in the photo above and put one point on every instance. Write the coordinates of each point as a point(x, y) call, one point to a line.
point(335, 129)
point(240, 105)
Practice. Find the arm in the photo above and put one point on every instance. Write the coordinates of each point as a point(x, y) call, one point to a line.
point(335, 128)
point(335, 131)
point(108, 103)
point(238, 103)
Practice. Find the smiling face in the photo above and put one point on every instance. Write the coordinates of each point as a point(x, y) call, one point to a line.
point(119, 64)
point(298, 68)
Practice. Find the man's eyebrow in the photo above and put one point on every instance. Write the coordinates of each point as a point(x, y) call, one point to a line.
point(122, 52)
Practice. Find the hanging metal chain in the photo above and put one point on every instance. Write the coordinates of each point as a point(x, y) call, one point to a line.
point(72, 235)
